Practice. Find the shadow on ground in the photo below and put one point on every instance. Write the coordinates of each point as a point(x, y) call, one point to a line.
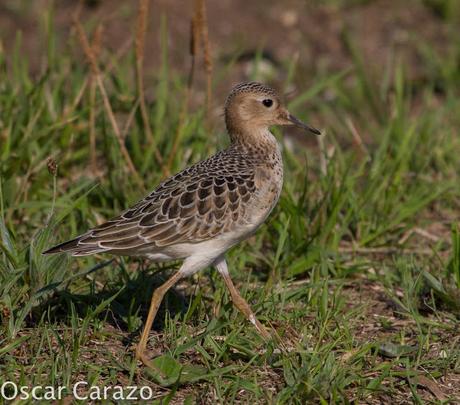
point(123, 304)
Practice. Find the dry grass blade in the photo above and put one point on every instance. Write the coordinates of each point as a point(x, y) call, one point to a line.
point(92, 123)
point(140, 48)
point(200, 36)
point(383, 250)
point(130, 119)
point(98, 77)
point(322, 154)
point(206, 51)
point(109, 68)
point(194, 46)
point(357, 140)
point(96, 46)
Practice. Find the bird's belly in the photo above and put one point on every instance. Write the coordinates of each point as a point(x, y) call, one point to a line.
point(209, 249)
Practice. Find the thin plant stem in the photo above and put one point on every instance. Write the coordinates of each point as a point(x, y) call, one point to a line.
point(98, 77)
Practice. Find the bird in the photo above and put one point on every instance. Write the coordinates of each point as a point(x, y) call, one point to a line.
point(203, 211)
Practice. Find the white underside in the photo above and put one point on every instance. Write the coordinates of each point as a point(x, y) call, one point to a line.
point(198, 256)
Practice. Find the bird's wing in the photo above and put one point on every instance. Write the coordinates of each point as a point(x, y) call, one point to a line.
point(193, 206)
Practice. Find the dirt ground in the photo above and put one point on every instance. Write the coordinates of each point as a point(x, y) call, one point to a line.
point(314, 32)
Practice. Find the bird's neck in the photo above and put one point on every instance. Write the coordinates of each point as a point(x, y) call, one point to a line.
point(259, 143)
point(253, 136)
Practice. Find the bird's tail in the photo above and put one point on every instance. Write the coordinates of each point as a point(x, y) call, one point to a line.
point(75, 248)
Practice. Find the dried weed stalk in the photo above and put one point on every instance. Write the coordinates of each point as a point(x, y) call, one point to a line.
point(96, 46)
point(89, 52)
point(201, 37)
point(198, 37)
point(142, 19)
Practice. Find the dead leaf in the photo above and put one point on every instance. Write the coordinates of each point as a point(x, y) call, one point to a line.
point(431, 385)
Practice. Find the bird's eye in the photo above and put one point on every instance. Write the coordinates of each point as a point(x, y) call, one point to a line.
point(267, 102)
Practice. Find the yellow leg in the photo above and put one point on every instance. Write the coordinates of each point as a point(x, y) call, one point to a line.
point(157, 297)
point(239, 301)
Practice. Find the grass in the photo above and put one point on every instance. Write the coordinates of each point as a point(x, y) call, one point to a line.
point(357, 270)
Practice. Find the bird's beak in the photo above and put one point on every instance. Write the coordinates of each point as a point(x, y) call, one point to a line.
point(295, 121)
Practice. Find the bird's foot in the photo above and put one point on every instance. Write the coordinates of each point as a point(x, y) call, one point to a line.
point(142, 355)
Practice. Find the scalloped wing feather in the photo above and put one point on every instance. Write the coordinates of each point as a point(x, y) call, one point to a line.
point(195, 205)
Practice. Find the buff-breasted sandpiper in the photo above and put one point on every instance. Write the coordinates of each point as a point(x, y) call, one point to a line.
point(201, 212)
